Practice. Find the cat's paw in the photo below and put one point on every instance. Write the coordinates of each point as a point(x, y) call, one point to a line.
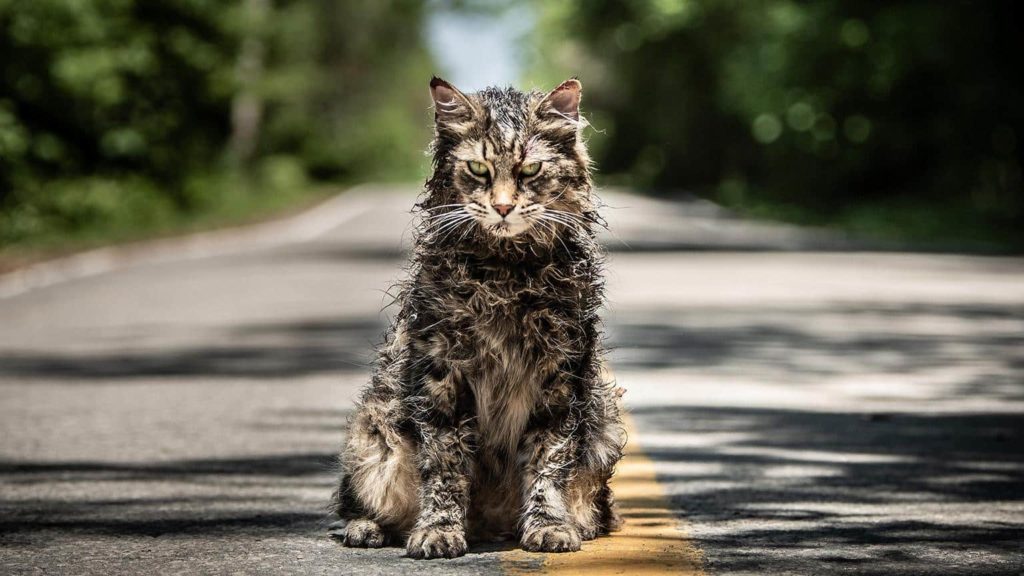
point(361, 533)
point(554, 538)
point(589, 532)
point(436, 542)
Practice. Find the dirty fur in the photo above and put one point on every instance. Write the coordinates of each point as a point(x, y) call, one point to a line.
point(488, 413)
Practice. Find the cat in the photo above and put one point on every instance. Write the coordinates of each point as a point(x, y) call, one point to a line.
point(488, 411)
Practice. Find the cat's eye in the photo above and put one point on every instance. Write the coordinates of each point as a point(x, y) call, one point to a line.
point(477, 168)
point(528, 170)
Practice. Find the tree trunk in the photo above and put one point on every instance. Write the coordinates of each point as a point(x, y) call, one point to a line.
point(247, 105)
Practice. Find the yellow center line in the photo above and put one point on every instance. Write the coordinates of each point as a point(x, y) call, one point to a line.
point(652, 540)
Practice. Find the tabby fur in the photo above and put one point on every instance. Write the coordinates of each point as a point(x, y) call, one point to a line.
point(488, 412)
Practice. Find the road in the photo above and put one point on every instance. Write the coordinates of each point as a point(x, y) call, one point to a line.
point(805, 408)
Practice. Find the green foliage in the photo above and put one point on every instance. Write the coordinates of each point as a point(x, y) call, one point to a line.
point(348, 95)
point(121, 117)
point(897, 118)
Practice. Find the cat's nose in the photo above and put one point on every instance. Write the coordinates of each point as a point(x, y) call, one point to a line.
point(503, 209)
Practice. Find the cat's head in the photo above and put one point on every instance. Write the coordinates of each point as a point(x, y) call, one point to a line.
point(508, 164)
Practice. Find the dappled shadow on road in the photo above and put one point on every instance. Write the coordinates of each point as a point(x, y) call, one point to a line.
point(249, 351)
point(780, 491)
point(216, 496)
point(890, 489)
point(14, 531)
point(290, 465)
point(885, 486)
point(236, 496)
point(966, 349)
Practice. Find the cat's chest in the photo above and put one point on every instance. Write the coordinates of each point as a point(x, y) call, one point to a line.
point(506, 392)
point(510, 333)
point(510, 361)
point(521, 322)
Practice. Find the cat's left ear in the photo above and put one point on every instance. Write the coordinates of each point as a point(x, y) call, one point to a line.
point(564, 100)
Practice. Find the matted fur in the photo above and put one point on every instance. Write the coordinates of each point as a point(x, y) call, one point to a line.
point(487, 413)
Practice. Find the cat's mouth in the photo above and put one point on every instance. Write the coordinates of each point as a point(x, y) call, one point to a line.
point(505, 228)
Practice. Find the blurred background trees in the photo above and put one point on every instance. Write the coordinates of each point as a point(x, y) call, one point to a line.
point(897, 119)
point(135, 116)
point(121, 118)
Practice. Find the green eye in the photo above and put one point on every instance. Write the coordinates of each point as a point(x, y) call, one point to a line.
point(477, 168)
point(529, 169)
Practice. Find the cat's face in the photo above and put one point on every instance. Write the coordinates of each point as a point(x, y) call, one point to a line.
point(512, 162)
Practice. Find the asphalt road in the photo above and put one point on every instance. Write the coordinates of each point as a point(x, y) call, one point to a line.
point(810, 409)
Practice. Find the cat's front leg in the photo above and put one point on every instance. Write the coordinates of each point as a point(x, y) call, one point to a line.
point(549, 455)
point(445, 460)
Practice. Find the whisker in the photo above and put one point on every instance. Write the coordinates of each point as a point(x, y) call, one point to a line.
point(451, 222)
point(454, 211)
point(442, 223)
point(560, 194)
point(549, 226)
point(432, 208)
point(562, 220)
point(569, 214)
point(444, 233)
point(464, 234)
point(441, 219)
point(451, 231)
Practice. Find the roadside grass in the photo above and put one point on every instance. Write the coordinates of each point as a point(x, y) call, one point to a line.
point(88, 213)
point(904, 225)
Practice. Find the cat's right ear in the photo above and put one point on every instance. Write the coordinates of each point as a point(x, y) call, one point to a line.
point(449, 103)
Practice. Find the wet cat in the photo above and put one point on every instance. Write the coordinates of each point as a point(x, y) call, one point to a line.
point(488, 412)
